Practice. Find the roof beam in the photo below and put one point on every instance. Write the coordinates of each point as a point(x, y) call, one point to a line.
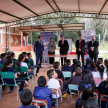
point(25, 7)
point(79, 6)
point(2, 21)
point(103, 6)
point(56, 5)
point(60, 25)
point(50, 5)
point(10, 14)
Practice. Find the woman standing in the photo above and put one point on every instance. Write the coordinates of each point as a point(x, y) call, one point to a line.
point(51, 50)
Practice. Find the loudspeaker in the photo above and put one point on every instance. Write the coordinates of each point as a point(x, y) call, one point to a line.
point(100, 59)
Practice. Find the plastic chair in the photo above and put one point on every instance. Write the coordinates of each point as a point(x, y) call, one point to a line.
point(1, 65)
point(67, 74)
point(60, 81)
point(40, 102)
point(72, 87)
point(32, 62)
point(103, 97)
point(9, 75)
point(24, 69)
point(14, 62)
point(28, 64)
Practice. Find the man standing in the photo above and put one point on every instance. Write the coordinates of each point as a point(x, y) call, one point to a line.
point(80, 48)
point(38, 49)
point(64, 47)
point(93, 49)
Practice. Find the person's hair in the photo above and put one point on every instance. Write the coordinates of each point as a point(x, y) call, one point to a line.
point(80, 35)
point(92, 64)
point(91, 103)
point(3, 55)
point(41, 81)
point(39, 37)
point(56, 65)
point(50, 39)
point(87, 78)
point(88, 61)
point(50, 73)
point(12, 54)
point(106, 64)
point(8, 57)
point(100, 68)
point(61, 35)
point(78, 63)
point(28, 54)
point(26, 97)
point(78, 70)
point(86, 93)
point(20, 58)
point(24, 53)
point(74, 61)
point(6, 63)
point(67, 62)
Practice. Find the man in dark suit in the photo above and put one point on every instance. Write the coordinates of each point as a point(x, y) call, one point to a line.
point(64, 47)
point(80, 48)
point(93, 49)
point(38, 49)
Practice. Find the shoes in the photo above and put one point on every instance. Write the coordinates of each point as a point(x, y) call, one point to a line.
point(26, 84)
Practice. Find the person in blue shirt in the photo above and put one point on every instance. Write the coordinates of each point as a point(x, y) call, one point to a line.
point(67, 66)
point(87, 63)
point(74, 64)
point(43, 92)
point(13, 56)
point(30, 57)
point(26, 59)
point(26, 99)
point(3, 58)
point(78, 64)
point(92, 66)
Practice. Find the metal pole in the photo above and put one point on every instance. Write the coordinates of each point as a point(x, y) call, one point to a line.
point(31, 38)
point(99, 41)
point(8, 36)
point(6, 39)
point(57, 34)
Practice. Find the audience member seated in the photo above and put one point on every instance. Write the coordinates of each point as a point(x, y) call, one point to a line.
point(92, 66)
point(53, 83)
point(87, 63)
point(76, 78)
point(91, 103)
point(67, 66)
point(99, 75)
point(74, 64)
point(103, 89)
point(86, 93)
point(42, 91)
point(57, 70)
point(20, 62)
point(106, 66)
point(30, 57)
point(3, 58)
point(8, 57)
point(87, 78)
point(13, 56)
point(78, 64)
point(7, 68)
point(26, 59)
point(26, 99)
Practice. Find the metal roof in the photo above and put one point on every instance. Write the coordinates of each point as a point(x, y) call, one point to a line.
point(39, 28)
point(13, 10)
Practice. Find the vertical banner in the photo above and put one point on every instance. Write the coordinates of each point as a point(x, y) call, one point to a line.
point(46, 39)
point(70, 45)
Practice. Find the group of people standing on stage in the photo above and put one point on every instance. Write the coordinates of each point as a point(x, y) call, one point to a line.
point(64, 48)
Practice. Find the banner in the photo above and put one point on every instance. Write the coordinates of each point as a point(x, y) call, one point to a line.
point(70, 45)
point(46, 39)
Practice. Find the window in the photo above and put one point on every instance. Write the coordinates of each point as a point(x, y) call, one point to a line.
point(0, 38)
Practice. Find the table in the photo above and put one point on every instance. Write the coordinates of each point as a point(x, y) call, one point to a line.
point(68, 55)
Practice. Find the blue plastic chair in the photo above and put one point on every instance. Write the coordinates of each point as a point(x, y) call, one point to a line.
point(72, 87)
point(67, 74)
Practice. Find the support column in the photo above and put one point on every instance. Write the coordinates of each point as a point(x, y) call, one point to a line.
point(31, 39)
point(21, 41)
point(6, 49)
point(9, 37)
point(26, 40)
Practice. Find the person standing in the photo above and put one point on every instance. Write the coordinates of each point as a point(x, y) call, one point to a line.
point(38, 49)
point(51, 50)
point(64, 47)
point(80, 48)
point(93, 49)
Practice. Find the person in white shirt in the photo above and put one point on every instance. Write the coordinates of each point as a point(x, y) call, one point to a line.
point(54, 83)
point(99, 75)
point(106, 66)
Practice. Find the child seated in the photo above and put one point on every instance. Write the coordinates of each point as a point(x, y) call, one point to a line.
point(87, 63)
point(26, 99)
point(57, 70)
point(7, 68)
point(92, 66)
point(3, 58)
point(78, 64)
point(25, 55)
point(53, 83)
point(76, 78)
point(74, 64)
point(13, 56)
point(30, 58)
point(67, 66)
point(42, 91)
